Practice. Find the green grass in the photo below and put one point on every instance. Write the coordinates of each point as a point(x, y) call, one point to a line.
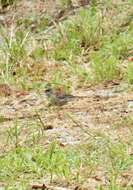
point(37, 163)
point(91, 47)
point(104, 67)
point(129, 73)
point(87, 40)
point(23, 165)
point(28, 162)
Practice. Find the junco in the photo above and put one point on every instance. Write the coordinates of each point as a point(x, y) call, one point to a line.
point(57, 96)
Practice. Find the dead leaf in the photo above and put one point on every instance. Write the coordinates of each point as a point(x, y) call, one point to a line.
point(5, 90)
point(130, 59)
point(38, 186)
point(21, 93)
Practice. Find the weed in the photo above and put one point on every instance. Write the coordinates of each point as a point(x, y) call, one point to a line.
point(89, 29)
point(13, 134)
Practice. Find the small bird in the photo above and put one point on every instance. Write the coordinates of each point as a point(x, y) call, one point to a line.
point(57, 97)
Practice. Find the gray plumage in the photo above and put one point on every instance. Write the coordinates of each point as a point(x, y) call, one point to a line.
point(57, 98)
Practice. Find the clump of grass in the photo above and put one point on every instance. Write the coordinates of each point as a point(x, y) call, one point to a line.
point(104, 68)
point(16, 56)
point(13, 52)
point(65, 42)
point(13, 45)
point(129, 73)
point(84, 31)
point(88, 27)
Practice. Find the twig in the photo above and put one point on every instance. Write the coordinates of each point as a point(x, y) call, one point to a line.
point(41, 121)
point(37, 186)
point(44, 187)
point(81, 125)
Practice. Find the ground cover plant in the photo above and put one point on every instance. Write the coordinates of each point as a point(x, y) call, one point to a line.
point(84, 49)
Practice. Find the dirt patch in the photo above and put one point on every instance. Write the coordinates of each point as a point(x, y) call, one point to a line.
point(94, 111)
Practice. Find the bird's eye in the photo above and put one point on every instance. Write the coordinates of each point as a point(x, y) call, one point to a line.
point(48, 90)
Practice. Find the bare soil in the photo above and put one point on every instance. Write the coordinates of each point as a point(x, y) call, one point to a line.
point(95, 110)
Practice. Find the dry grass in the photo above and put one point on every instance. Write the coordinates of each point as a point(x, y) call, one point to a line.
point(86, 143)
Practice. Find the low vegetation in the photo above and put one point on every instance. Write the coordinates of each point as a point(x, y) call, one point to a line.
point(90, 47)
